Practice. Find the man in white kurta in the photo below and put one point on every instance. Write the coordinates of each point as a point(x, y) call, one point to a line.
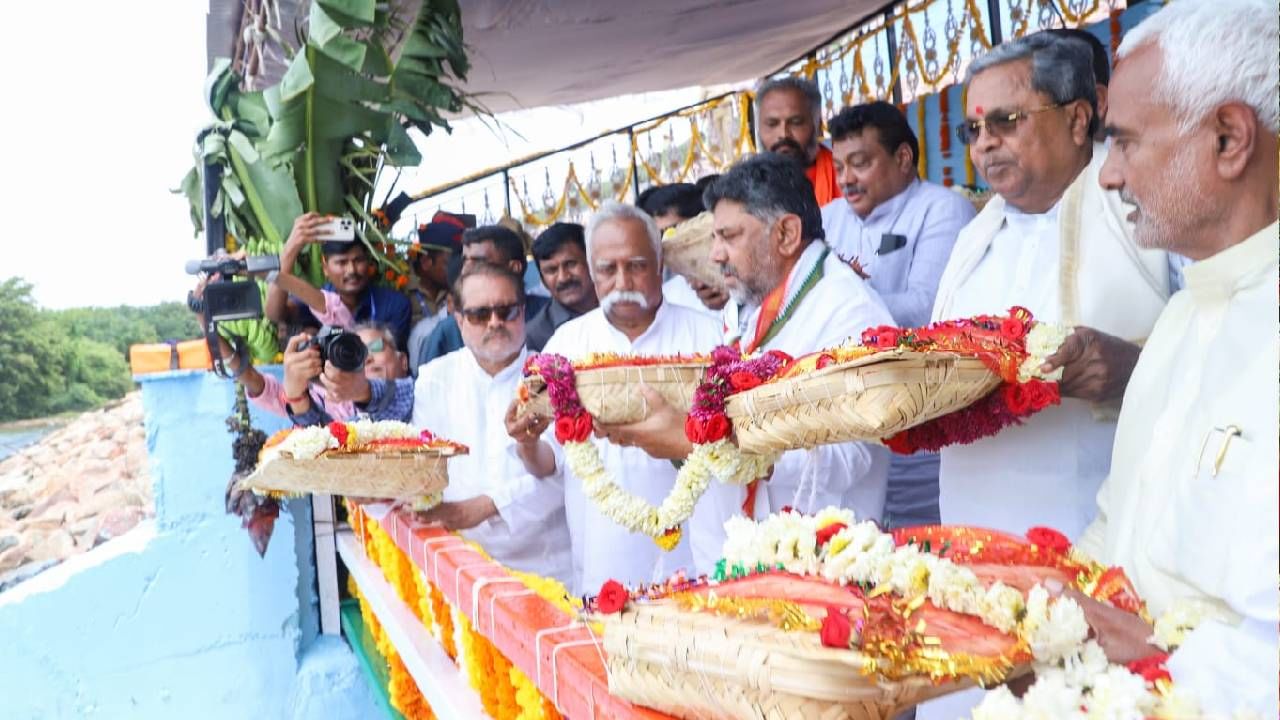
point(624, 254)
point(823, 303)
point(1191, 509)
point(1057, 244)
point(458, 398)
point(1052, 241)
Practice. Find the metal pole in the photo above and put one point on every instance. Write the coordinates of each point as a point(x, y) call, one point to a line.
point(506, 189)
point(993, 22)
point(635, 167)
point(891, 38)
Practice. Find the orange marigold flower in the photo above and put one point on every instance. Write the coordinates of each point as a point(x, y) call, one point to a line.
point(391, 275)
point(401, 282)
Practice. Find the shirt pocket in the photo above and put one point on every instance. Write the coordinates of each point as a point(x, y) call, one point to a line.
point(1209, 535)
point(889, 271)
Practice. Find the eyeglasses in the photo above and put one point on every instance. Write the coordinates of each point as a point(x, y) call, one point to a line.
point(482, 315)
point(998, 125)
point(376, 345)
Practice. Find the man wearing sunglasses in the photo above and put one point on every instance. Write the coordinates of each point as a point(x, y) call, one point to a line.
point(491, 498)
point(1054, 241)
point(624, 255)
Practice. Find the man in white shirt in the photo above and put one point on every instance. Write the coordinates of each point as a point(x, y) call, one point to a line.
point(1052, 241)
point(1056, 243)
point(1191, 509)
point(788, 292)
point(897, 231)
point(491, 499)
point(624, 254)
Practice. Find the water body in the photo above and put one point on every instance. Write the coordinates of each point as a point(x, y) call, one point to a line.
point(12, 441)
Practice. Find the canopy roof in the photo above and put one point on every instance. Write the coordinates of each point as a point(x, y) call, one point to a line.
point(531, 53)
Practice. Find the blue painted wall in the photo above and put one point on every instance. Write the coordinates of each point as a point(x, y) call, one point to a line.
point(179, 618)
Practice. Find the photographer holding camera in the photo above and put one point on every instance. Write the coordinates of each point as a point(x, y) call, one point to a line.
point(326, 377)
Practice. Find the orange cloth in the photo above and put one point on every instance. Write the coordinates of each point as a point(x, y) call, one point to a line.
point(822, 173)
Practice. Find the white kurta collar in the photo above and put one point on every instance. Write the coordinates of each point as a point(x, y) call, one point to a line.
point(889, 208)
point(1219, 277)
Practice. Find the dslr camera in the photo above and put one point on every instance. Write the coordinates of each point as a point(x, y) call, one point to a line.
point(341, 347)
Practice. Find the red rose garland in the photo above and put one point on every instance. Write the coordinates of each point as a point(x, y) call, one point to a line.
point(728, 374)
point(1000, 343)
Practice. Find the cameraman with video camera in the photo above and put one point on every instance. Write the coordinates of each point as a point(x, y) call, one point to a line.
point(369, 352)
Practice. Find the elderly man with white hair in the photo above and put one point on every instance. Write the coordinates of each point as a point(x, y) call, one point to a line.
point(1056, 243)
point(1191, 509)
point(624, 256)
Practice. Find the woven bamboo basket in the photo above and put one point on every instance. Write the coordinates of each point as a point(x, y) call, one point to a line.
point(612, 394)
point(687, 251)
point(870, 398)
point(391, 475)
point(697, 665)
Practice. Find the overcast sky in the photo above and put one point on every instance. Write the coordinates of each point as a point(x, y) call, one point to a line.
point(103, 106)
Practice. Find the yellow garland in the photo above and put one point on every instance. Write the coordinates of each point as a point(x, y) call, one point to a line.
point(532, 703)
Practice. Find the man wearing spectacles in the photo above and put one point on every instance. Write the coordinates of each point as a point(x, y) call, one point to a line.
point(1053, 241)
point(491, 499)
point(624, 255)
point(494, 244)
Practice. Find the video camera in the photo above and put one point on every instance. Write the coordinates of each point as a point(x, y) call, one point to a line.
point(341, 347)
point(228, 299)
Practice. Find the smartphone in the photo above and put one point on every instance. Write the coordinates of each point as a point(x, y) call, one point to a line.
point(337, 229)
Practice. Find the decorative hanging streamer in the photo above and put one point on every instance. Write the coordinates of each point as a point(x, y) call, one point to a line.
point(923, 160)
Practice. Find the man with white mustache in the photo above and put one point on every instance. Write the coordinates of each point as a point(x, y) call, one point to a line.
point(624, 255)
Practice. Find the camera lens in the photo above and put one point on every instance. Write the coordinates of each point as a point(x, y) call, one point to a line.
point(347, 352)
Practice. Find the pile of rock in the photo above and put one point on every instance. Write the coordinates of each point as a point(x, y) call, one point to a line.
point(77, 487)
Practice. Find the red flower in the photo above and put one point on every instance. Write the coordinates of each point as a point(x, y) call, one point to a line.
point(836, 629)
point(573, 428)
point(717, 427)
point(426, 436)
point(339, 432)
point(1049, 539)
point(743, 380)
point(882, 337)
point(708, 429)
point(612, 598)
point(900, 444)
point(1012, 329)
point(1018, 399)
point(829, 531)
point(1151, 668)
point(825, 359)
point(1043, 394)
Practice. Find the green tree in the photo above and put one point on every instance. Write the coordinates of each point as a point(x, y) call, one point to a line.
point(33, 351)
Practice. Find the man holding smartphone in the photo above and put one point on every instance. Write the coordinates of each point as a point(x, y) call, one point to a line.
point(897, 231)
point(347, 268)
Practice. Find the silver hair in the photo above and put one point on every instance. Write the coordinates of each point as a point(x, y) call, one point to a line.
point(1061, 67)
point(613, 211)
point(802, 85)
point(1214, 53)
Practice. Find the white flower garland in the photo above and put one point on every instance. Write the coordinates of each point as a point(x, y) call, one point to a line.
point(720, 460)
point(1042, 340)
point(861, 553)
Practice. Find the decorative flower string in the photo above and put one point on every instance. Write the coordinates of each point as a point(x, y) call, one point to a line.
point(714, 456)
point(1013, 347)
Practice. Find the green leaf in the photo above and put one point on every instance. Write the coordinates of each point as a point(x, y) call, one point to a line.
point(218, 83)
point(354, 12)
point(243, 145)
point(297, 79)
